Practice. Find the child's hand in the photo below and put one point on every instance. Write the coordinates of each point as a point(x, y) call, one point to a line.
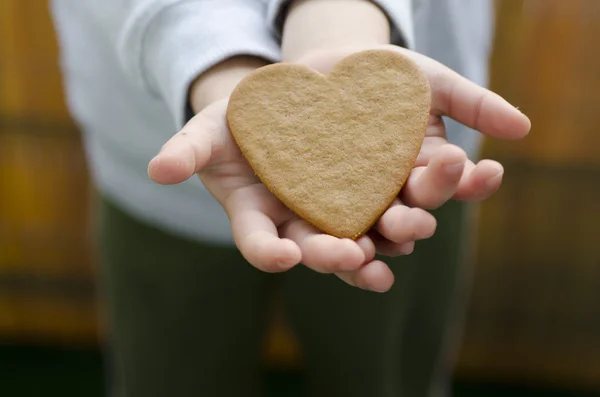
point(272, 239)
point(270, 236)
point(442, 170)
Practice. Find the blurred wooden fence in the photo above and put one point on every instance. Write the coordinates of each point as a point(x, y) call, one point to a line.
point(535, 305)
point(46, 277)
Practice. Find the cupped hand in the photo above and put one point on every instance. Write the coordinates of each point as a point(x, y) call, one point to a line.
point(273, 239)
point(442, 170)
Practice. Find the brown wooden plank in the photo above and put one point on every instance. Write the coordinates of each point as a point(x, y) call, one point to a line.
point(536, 298)
point(536, 295)
point(44, 205)
point(30, 82)
point(546, 59)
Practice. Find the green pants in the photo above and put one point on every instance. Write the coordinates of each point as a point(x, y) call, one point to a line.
point(188, 319)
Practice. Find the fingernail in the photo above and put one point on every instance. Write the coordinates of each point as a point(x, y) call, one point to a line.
point(285, 265)
point(454, 168)
point(153, 163)
point(493, 181)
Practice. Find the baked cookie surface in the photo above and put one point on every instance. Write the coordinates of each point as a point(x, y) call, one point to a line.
point(335, 149)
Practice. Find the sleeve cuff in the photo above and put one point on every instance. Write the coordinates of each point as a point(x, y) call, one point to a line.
point(183, 40)
point(399, 12)
point(276, 11)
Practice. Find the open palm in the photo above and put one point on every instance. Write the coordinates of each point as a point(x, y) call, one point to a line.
point(273, 239)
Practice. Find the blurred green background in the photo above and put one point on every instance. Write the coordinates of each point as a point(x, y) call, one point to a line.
point(533, 323)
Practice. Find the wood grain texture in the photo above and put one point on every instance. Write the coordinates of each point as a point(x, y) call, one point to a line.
point(30, 81)
point(545, 61)
point(47, 281)
point(535, 302)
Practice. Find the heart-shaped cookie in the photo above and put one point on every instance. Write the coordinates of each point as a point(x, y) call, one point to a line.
point(335, 149)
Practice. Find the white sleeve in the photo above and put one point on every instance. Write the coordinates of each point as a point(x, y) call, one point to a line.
point(163, 45)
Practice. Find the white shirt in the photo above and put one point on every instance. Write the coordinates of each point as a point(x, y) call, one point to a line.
point(127, 66)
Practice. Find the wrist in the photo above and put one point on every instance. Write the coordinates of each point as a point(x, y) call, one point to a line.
point(319, 25)
point(219, 81)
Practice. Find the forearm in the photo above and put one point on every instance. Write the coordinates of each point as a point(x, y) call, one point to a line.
point(318, 25)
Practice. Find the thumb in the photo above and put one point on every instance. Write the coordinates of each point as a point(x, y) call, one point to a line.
point(192, 148)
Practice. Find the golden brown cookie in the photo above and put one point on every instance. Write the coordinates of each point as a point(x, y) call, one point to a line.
point(335, 149)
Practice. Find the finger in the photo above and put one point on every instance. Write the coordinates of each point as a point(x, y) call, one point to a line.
point(453, 95)
point(375, 276)
point(429, 148)
point(468, 103)
point(473, 105)
point(389, 248)
point(367, 246)
point(401, 224)
point(479, 181)
point(255, 234)
point(392, 250)
point(431, 186)
point(191, 149)
point(434, 138)
point(436, 126)
point(322, 252)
